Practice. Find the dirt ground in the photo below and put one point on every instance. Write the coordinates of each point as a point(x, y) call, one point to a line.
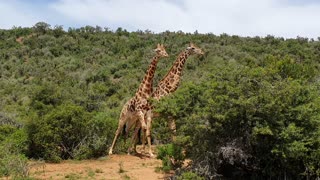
point(133, 167)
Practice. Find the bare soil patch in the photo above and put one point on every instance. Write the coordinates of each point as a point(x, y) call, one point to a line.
point(133, 167)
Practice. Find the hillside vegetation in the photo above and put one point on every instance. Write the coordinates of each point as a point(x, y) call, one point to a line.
point(250, 107)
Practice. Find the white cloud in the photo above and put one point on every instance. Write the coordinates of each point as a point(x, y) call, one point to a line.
point(142, 14)
point(287, 18)
point(12, 14)
point(250, 17)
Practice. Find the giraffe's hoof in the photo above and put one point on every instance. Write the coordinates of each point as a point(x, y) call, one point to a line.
point(152, 155)
point(129, 151)
point(110, 152)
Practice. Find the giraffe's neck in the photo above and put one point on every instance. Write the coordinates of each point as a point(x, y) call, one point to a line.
point(170, 82)
point(145, 88)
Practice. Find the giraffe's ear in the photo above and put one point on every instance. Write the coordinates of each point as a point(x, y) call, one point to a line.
point(189, 46)
point(158, 45)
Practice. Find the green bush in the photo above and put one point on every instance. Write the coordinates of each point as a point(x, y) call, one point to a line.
point(14, 165)
point(5, 131)
point(57, 133)
point(13, 161)
point(68, 131)
point(171, 156)
point(257, 121)
point(99, 137)
point(189, 176)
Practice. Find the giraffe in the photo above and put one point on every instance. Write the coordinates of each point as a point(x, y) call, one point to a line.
point(170, 82)
point(136, 107)
point(167, 86)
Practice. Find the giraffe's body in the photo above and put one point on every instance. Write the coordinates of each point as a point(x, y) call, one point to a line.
point(136, 108)
point(168, 85)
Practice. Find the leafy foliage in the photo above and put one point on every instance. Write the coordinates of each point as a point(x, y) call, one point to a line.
point(251, 121)
point(248, 108)
point(69, 131)
point(171, 156)
point(189, 176)
point(13, 162)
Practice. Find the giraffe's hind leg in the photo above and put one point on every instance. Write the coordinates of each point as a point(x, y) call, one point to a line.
point(143, 141)
point(136, 136)
point(148, 132)
point(134, 139)
point(122, 122)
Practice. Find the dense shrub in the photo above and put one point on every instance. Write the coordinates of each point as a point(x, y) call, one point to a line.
point(13, 161)
point(250, 122)
point(171, 156)
point(68, 131)
point(189, 176)
point(249, 106)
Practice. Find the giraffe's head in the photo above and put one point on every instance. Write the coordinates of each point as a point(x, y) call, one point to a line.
point(161, 51)
point(194, 49)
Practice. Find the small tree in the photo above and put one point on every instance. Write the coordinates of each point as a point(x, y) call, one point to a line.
point(41, 27)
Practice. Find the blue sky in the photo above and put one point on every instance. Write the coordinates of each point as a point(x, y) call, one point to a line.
point(282, 18)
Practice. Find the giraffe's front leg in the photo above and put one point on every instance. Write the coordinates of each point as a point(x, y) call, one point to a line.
point(141, 119)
